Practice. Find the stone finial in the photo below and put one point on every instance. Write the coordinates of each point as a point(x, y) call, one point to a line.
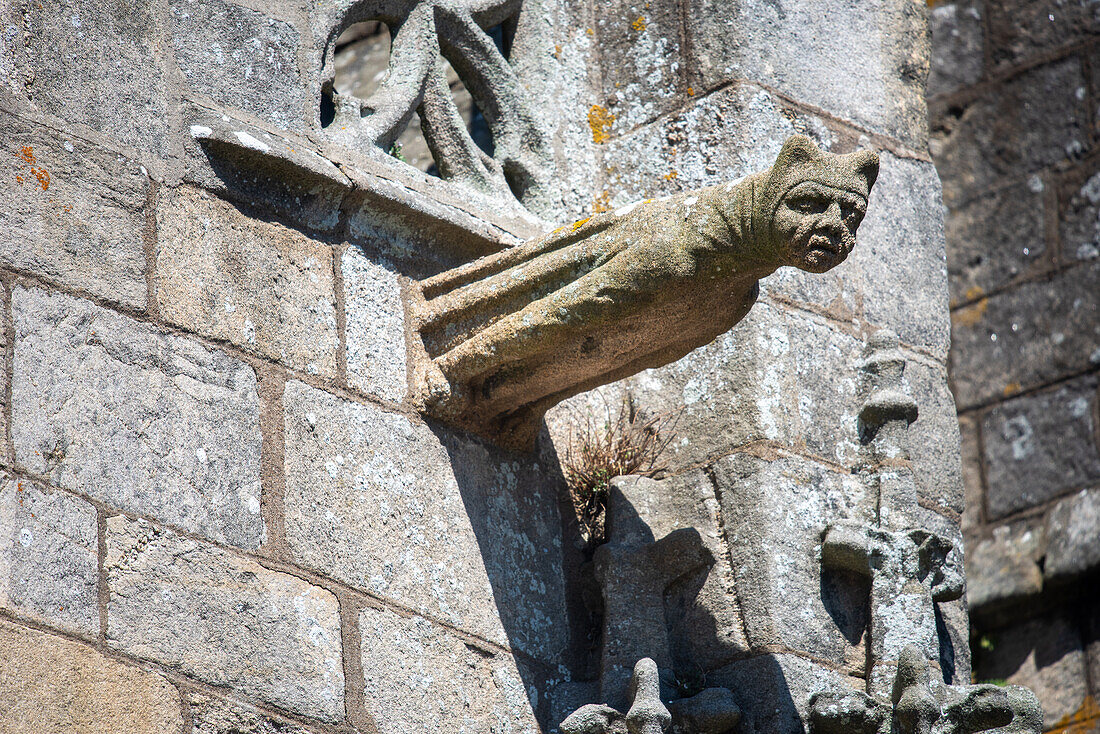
point(916, 706)
point(510, 335)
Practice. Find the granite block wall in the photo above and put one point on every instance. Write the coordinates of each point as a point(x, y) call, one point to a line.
point(218, 511)
point(1013, 101)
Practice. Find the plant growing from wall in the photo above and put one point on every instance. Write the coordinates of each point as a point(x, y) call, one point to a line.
point(598, 451)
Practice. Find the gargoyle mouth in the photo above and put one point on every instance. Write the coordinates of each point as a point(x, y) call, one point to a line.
point(822, 245)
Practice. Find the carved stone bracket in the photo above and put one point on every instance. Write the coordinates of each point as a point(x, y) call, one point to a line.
point(510, 335)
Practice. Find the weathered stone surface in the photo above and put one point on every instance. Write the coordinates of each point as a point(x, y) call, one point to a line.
point(211, 715)
point(239, 57)
point(956, 46)
point(934, 437)
point(953, 627)
point(375, 330)
point(1041, 445)
point(50, 685)
point(48, 556)
point(1027, 336)
point(1073, 543)
point(1080, 220)
point(774, 691)
point(644, 81)
point(775, 513)
point(901, 253)
point(447, 528)
point(259, 285)
point(146, 421)
point(973, 485)
point(1043, 654)
point(725, 404)
point(78, 210)
point(995, 238)
point(733, 132)
point(1004, 568)
point(419, 677)
point(1092, 639)
point(704, 623)
point(862, 61)
point(101, 64)
point(1023, 29)
point(223, 619)
point(1031, 121)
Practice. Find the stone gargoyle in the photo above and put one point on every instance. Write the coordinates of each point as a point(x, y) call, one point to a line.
point(510, 335)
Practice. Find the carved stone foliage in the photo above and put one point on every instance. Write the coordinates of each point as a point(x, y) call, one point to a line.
point(510, 335)
point(425, 32)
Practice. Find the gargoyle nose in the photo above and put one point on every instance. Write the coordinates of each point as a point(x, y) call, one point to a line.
point(832, 217)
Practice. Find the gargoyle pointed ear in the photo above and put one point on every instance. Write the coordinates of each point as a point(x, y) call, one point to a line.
point(797, 150)
point(866, 166)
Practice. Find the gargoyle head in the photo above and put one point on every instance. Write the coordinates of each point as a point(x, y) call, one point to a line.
point(814, 201)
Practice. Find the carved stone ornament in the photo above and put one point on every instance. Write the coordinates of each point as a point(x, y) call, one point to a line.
point(910, 569)
point(510, 335)
point(424, 33)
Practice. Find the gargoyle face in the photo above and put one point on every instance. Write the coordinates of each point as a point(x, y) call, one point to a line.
point(816, 224)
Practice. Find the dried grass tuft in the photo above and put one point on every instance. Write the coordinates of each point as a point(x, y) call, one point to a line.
point(624, 444)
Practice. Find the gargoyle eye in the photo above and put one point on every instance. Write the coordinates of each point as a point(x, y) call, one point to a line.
point(809, 205)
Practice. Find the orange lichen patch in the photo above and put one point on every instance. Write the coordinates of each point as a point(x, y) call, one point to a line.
point(671, 176)
point(580, 223)
point(19, 179)
point(1082, 721)
point(1011, 389)
point(600, 121)
point(557, 51)
point(590, 31)
point(27, 154)
point(970, 315)
point(602, 203)
point(639, 23)
point(973, 293)
point(691, 91)
point(43, 177)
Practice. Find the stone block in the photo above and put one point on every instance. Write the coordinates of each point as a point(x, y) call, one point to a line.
point(973, 484)
point(260, 285)
point(451, 529)
point(1014, 129)
point(78, 209)
point(995, 238)
point(934, 437)
point(1040, 446)
point(51, 685)
point(953, 630)
point(645, 79)
point(420, 677)
point(211, 715)
point(223, 619)
point(240, 58)
point(1044, 654)
point(775, 514)
point(145, 421)
point(1092, 639)
point(957, 46)
point(48, 556)
point(1073, 543)
point(748, 385)
point(704, 623)
point(720, 137)
point(101, 64)
point(861, 61)
point(900, 255)
point(1080, 218)
point(774, 691)
point(1026, 337)
point(1023, 29)
point(375, 331)
point(1003, 568)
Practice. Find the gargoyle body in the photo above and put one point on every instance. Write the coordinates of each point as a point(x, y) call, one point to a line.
point(510, 335)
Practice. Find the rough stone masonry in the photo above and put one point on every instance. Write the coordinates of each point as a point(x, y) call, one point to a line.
point(219, 508)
